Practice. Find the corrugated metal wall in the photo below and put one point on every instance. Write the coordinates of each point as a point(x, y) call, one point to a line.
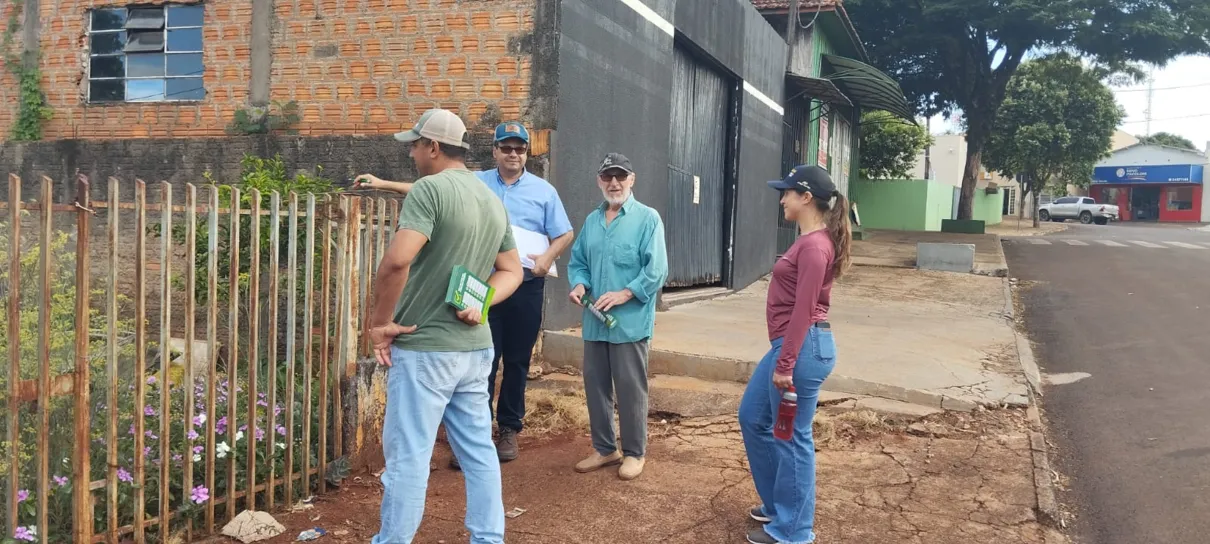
point(696, 156)
point(794, 151)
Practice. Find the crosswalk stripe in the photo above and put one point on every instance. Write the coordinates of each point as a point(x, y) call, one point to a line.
point(1039, 242)
point(1110, 243)
point(1184, 245)
point(1075, 243)
point(1146, 244)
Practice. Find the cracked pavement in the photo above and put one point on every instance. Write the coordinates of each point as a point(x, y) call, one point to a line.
point(955, 478)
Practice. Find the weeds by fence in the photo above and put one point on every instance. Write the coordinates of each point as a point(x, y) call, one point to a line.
point(122, 424)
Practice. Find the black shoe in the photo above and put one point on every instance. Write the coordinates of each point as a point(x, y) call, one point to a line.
point(758, 514)
point(454, 463)
point(759, 536)
point(506, 445)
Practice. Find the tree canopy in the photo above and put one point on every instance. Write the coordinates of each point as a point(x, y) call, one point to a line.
point(889, 145)
point(1057, 120)
point(1168, 139)
point(960, 54)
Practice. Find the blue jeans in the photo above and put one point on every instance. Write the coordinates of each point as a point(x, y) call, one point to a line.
point(784, 470)
point(425, 389)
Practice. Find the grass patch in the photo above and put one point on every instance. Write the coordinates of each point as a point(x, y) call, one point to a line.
point(552, 411)
point(848, 424)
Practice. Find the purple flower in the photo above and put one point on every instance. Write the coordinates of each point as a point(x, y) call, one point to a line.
point(262, 402)
point(192, 435)
point(60, 481)
point(148, 410)
point(199, 494)
point(151, 435)
point(242, 428)
point(28, 534)
point(281, 430)
point(22, 494)
point(176, 458)
point(146, 451)
point(199, 419)
point(198, 449)
point(131, 432)
point(277, 410)
point(260, 434)
point(124, 476)
point(151, 380)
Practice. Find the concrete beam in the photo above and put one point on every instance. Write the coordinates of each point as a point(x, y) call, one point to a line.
point(945, 257)
point(261, 51)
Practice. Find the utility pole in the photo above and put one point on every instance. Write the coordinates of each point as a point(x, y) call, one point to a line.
point(928, 159)
point(791, 32)
point(1150, 97)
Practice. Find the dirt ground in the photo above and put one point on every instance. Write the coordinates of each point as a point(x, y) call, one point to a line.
point(953, 478)
point(1012, 226)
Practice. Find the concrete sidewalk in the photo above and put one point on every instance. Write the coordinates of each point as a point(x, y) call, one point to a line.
point(934, 339)
point(895, 248)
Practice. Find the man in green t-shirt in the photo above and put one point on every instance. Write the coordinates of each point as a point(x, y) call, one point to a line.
point(439, 358)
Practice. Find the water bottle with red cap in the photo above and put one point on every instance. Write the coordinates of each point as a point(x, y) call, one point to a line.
point(783, 429)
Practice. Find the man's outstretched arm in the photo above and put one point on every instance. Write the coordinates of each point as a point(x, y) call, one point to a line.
point(369, 181)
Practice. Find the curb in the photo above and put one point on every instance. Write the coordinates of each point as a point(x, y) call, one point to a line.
point(1044, 484)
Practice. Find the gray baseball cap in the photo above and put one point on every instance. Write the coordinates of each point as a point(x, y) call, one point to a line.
point(438, 125)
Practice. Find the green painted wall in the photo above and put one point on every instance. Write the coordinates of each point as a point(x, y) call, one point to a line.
point(940, 204)
point(989, 208)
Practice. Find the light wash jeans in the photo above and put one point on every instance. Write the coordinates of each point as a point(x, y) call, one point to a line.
point(784, 470)
point(425, 389)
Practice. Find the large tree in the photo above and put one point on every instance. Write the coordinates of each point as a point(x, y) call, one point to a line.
point(1168, 139)
point(960, 54)
point(1057, 120)
point(890, 145)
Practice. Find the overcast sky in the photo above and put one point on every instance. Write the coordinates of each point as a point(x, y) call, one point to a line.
point(1180, 104)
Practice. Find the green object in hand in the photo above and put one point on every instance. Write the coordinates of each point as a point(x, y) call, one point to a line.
point(604, 317)
point(468, 291)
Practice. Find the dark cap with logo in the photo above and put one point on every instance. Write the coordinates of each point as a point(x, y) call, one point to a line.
point(615, 161)
point(511, 130)
point(807, 179)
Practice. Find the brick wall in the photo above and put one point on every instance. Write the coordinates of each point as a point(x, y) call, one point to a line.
point(355, 67)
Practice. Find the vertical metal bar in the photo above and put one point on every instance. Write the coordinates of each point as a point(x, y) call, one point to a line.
point(367, 258)
point(14, 347)
point(291, 340)
point(253, 342)
point(353, 315)
point(111, 368)
point(165, 351)
point(212, 342)
point(274, 269)
point(342, 298)
point(190, 332)
point(140, 357)
point(325, 314)
point(308, 338)
point(233, 349)
point(81, 497)
point(44, 271)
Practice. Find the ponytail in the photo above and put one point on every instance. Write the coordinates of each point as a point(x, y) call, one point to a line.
point(841, 233)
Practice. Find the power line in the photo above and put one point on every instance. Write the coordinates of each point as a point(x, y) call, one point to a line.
point(1167, 119)
point(1146, 89)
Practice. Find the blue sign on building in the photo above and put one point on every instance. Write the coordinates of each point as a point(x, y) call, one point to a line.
point(1167, 173)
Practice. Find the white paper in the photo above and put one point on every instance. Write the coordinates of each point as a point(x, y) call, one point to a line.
point(697, 190)
point(532, 243)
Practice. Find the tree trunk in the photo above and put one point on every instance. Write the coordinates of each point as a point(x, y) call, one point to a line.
point(1037, 204)
point(1021, 206)
point(970, 175)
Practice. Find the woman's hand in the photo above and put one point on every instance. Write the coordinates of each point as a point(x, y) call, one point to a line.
point(783, 382)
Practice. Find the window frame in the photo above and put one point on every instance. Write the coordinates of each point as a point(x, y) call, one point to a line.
point(164, 78)
point(1171, 192)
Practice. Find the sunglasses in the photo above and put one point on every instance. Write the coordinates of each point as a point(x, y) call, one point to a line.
point(509, 150)
point(607, 177)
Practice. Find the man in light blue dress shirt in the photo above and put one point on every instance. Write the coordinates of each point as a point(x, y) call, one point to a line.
point(533, 204)
point(620, 261)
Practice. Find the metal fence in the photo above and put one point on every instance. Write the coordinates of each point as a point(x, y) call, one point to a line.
point(124, 423)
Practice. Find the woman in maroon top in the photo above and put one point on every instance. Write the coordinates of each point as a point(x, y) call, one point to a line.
point(802, 356)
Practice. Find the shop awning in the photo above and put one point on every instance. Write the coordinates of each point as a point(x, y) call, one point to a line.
point(868, 86)
point(818, 88)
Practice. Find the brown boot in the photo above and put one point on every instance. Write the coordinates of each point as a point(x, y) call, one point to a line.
point(597, 461)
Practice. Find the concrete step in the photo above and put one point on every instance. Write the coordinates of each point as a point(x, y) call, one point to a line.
point(691, 397)
point(686, 296)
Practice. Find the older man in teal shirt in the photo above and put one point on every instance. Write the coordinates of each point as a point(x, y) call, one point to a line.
point(619, 258)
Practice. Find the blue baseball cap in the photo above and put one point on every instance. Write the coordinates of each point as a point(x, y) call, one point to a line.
point(511, 130)
point(807, 179)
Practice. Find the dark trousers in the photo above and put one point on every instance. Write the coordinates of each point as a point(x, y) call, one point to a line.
point(515, 325)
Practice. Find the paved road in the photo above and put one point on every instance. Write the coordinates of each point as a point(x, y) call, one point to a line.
point(1134, 438)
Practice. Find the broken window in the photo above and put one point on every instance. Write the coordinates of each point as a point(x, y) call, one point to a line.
point(146, 54)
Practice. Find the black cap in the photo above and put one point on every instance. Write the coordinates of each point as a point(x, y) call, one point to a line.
point(807, 179)
point(616, 160)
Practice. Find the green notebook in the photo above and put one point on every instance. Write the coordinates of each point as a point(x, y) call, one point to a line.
point(468, 291)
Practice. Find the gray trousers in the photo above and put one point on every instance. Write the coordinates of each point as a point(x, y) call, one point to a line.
point(621, 367)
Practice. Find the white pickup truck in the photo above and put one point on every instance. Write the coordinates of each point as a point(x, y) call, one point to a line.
point(1078, 207)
